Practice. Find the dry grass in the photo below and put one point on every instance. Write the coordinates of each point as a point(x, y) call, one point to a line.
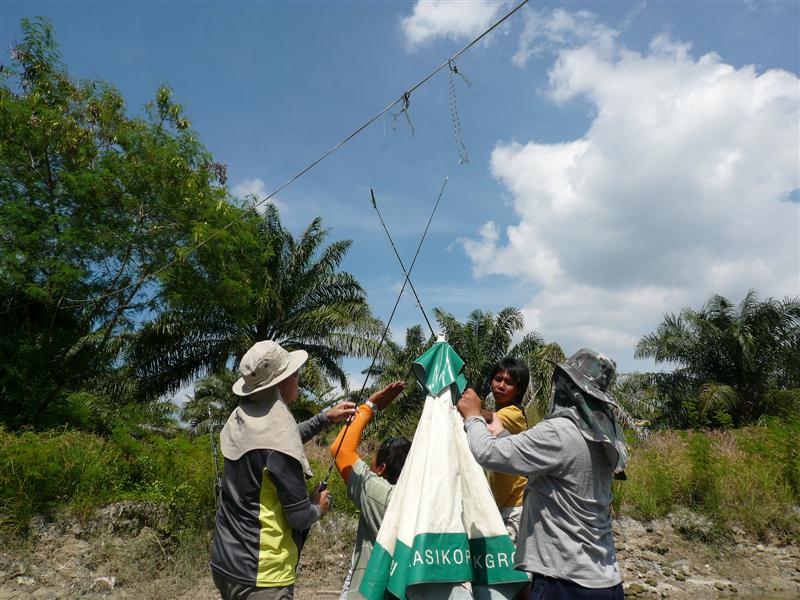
point(739, 479)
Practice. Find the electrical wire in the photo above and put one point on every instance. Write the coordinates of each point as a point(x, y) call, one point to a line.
point(403, 99)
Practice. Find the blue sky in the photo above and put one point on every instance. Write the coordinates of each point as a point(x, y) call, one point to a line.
point(625, 158)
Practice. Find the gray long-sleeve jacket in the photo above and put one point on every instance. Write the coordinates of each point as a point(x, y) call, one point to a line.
point(566, 517)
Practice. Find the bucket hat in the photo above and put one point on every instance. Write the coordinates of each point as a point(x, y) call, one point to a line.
point(266, 364)
point(591, 371)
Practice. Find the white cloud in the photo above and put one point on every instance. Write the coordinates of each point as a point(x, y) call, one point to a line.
point(548, 31)
point(677, 191)
point(456, 20)
point(254, 190)
point(182, 396)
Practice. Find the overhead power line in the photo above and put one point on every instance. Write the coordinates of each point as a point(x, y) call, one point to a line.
point(403, 99)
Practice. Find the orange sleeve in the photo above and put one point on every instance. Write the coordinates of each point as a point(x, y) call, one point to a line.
point(349, 437)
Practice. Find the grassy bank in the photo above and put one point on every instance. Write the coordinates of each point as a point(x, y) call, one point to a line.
point(747, 479)
point(66, 472)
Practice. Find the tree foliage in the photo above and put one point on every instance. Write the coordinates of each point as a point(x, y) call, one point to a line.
point(401, 417)
point(294, 293)
point(484, 339)
point(92, 201)
point(735, 363)
point(127, 269)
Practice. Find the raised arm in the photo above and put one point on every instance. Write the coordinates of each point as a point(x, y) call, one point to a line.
point(345, 446)
point(529, 453)
point(350, 437)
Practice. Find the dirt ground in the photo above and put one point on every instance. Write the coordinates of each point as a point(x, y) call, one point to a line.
point(125, 558)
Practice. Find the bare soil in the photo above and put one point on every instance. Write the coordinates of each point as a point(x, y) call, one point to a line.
point(117, 555)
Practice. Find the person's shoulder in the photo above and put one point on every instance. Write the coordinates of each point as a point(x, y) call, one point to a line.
point(564, 427)
point(371, 483)
point(511, 409)
point(366, 488)
point(361, 468)
point(513, 418)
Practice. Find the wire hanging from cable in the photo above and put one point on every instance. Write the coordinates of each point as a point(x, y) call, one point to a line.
point(463, 157)
point(404, 100)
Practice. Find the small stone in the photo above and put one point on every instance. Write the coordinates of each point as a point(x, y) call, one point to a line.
point(667, 572)
point(25, 580)
point(680, 577)
point(760, 548)
point(733, 588)
point(650, 556)
point(105, 582)
point(620, 546)
point(651, 582)
point(720, 586)
point(679, 563)
point(634, 589)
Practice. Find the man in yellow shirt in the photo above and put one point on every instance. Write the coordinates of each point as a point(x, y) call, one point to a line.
point(509, 381)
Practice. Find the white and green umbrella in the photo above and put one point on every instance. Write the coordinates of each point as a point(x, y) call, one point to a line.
point(442, 535)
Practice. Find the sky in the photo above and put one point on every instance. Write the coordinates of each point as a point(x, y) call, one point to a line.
point(624, 159)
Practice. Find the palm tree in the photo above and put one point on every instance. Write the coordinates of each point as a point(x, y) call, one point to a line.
point(212, 402)
point(401, 417)
point(294, 293)
point(743, 361)
point(539, 356)
point(483, 340)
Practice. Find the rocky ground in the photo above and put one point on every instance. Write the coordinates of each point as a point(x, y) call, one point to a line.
point(121, 552)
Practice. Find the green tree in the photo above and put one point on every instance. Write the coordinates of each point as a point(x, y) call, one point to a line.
point(402, 415)
point(481, 341)
point(539, 356)
point(295, 294)
point(212, 402)
point(92, 203)
point(484, 339)
point(740, 362)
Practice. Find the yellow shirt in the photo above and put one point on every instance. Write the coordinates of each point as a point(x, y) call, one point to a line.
point(508, 489)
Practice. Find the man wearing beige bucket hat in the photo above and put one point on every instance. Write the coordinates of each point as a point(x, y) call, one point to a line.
point(264, 507)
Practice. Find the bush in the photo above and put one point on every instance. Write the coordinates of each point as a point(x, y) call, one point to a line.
point(745, 478)
point(62, 469)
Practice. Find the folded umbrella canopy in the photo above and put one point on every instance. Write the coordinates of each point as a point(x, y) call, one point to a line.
point(442, 535)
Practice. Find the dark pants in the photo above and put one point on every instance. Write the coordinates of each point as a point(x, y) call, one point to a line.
point(230, 590)
point(550, 588)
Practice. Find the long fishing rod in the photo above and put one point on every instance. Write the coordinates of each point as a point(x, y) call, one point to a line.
point(324, 483)
point(400, 260)
point(214, 460)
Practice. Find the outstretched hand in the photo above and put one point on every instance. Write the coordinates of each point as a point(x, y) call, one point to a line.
point(341, 412)
point(384, 397)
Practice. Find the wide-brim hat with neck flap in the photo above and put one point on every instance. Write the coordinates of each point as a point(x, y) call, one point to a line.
point(266, 364)
point(591, 371)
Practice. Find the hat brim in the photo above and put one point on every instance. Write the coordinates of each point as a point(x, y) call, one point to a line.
point(583, 382)
point(297, 359)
